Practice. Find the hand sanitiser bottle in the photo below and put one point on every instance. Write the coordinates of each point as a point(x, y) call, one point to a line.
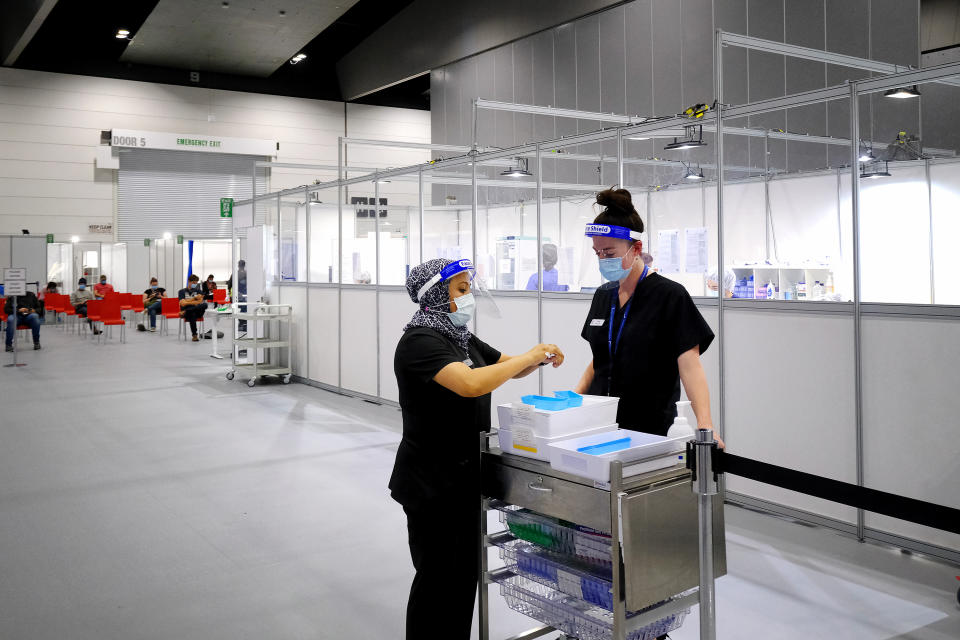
point(680, 426)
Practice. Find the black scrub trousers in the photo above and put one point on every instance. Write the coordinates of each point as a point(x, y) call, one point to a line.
point(436, 477)
point(661, 323)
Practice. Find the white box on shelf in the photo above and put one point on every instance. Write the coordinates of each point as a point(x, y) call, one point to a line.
point(661, 451)
point(596, 411)
point(523, 442)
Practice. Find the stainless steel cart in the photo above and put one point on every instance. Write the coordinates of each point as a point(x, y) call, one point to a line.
point(651, 519)
point(270, 318)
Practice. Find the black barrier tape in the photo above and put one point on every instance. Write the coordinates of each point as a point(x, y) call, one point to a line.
point(888, 504)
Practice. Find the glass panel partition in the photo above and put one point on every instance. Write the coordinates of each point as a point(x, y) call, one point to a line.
point(293, 237)
point(324, 237)
point(448, 213)
point(359, 227)
point(908, 194)
point(60, 266)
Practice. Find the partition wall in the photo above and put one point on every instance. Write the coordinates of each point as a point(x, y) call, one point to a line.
point(836, 354)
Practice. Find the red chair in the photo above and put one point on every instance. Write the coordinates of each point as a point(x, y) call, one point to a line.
point(94, 312)
point(111, 315)
point(170, 310)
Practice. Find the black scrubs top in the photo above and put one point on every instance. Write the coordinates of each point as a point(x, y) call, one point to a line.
point(439, 456)
point(662, 323)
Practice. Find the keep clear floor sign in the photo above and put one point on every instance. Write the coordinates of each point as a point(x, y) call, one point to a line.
point(14, 286)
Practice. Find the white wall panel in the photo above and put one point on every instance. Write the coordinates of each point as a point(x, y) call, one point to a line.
point(711, 362)
point(358, 316)
point(297, 298)
point(6, 252)
point(562, 322)
point(910, 373)
point(138, 267)
point(31, 253)
point(789, 394)
point(396, 309)
point(324, 320)
point(514, 333)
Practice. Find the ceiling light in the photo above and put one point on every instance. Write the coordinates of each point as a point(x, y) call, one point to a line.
point(690, 174)
point(520, 171)
point(875, 170)
point(383, 181)
point(903, 92)
point(74, 238)
point(123, 34)
point(688, 142)
point(637, 138)
point(300, 57)
point(166, 235)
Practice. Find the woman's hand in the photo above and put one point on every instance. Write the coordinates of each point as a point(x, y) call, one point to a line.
point(545, 354)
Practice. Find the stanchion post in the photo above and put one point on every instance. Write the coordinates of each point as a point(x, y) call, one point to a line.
point(705, 486)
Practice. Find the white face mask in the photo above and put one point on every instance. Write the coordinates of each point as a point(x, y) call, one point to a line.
point(464, 312)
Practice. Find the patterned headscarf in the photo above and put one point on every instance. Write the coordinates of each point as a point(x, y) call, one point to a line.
point(435, 302)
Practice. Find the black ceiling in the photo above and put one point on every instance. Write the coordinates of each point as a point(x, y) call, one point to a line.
point(78, 37)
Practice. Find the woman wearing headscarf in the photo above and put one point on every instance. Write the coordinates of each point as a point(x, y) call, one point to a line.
point(445, 375)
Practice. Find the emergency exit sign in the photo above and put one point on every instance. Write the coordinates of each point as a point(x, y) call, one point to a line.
point(226, 207)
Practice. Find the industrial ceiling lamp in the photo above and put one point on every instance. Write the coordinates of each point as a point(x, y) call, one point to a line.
point(300, 57)
point(874, 170)
point(903, 92)
point(689, 142)
point(520, 171)
point(690, 174)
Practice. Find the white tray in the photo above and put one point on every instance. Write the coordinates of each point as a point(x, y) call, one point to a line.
point(524, 442)
point(643, 446)
point(596, 411)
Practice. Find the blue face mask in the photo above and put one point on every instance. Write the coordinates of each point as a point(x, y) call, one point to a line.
point(82, 287)
point(612, 269)
point(464, 312)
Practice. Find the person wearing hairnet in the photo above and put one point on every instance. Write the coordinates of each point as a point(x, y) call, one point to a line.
point(445, 375)
point(713, 283)
point(550, 275)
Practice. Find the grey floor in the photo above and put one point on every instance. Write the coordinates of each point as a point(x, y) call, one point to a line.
point(144, 496)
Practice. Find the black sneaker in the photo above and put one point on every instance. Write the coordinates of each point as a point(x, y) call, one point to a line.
point(140, 327)
point(36, 346)
point(97, 332)
point(9, 348)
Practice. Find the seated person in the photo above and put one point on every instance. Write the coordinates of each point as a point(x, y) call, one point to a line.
point(152, 304)
point(192, 306)
point(79, 300)
point(209, 285)
point(550, 274)
point(27, 313)
point(101, 290)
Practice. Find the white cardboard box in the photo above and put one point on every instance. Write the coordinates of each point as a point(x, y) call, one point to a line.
point(525, 443)
point(596, 411)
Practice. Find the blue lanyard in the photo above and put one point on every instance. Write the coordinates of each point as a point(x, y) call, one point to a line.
point(611, 345)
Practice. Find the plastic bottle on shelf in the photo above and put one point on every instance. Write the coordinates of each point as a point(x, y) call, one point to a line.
point(801, 290)
point(681, 426)
point(751, 291)
point(818, 290)
point(829, 288)
point(771, 291)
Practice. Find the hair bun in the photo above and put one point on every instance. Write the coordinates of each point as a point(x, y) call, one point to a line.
point(619, 200)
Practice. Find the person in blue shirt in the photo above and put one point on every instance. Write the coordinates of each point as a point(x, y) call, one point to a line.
point(550, 274)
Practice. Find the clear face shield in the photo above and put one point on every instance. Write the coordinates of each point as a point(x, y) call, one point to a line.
point(485, 302)
point(608, 251)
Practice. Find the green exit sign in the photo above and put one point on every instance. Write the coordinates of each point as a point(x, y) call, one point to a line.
point(49, 238)
point(226, 207)
point(179, 239)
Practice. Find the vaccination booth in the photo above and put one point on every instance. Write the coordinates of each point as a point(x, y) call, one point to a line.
point(820, 257)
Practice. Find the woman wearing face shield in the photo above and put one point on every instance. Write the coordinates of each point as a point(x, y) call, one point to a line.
point(445, 375)
point(645, 333)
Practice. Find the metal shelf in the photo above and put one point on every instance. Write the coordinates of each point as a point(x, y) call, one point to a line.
point(265, 370)
point(260, 343)
point(259, 316)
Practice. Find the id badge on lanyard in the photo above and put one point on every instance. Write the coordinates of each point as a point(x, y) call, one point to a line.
point(611, 343)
